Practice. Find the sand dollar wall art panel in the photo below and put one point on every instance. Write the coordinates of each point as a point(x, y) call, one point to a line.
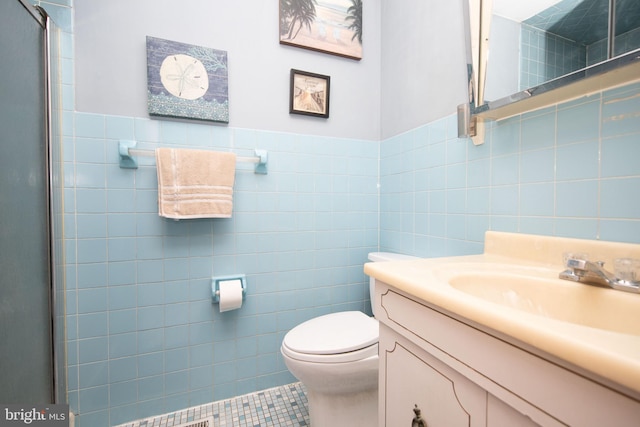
point(330, 26)
point(187, 81)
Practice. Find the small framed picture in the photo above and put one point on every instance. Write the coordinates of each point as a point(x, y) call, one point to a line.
point(309, 94)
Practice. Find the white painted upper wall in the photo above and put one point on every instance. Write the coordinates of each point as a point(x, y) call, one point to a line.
point(423, 63)
point(521, 10)
point(503, 70)
point(413, 69)
point(111, 75)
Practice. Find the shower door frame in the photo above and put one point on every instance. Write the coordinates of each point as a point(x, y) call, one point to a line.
point(56, 394)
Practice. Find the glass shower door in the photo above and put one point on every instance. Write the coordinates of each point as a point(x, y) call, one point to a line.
point(25, 284)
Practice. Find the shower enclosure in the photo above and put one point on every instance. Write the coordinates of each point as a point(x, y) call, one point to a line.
point(31, 326)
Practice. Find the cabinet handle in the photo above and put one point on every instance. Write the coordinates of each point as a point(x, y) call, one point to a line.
point(417, 420)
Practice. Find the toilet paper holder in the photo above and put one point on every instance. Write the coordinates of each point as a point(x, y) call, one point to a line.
point(215, 285)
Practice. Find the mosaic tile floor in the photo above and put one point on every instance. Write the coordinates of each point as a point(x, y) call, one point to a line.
point(284, 406)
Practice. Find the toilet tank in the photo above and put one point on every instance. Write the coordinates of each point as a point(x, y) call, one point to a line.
point(383, 257)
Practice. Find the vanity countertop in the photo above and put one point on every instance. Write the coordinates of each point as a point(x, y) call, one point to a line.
point(594, 329)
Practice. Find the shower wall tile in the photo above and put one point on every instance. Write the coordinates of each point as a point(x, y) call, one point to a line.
point(505, 199)
point(537, 199)
point(577, 198)
point(537, 166)
point(539, 129)
point(92, 325)
point(92, 350)
point(620, 111)
point(89, 125)
point(119, 128)
point(505, 170)
point(91, 226)
point(90, 150)
point(578, 161)
point(579, 120)
point(620, 155)
point(94, 398)
point(92, 300)
point(56, 2)
point(546, 56)
point(619, 198)
point(619, 229)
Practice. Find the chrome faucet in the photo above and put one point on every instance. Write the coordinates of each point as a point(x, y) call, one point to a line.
point(594, 273)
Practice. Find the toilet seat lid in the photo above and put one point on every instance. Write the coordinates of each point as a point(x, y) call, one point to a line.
point(334, 333)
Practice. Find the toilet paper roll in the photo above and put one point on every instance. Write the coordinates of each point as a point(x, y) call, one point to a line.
point(230, 294)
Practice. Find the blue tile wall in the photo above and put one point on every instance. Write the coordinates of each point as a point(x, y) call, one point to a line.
point(624, 43)
point(143, 335)
point(545, 56)
point(570, 170)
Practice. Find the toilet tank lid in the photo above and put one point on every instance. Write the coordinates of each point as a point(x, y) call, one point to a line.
point(333, 333)
point(388, 256)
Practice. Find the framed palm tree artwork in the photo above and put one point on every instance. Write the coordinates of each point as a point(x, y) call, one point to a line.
point(329, 26)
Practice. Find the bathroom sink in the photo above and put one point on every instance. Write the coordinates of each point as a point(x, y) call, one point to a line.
point(513, 291)
point(557, 299)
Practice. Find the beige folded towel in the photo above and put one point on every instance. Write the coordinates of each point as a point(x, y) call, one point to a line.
point(195, 183)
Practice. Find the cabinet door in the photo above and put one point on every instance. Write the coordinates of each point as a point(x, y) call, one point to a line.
point(500, 414)
point(412, 378)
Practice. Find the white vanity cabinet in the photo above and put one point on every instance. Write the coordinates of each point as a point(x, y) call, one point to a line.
point(414, 379)
point(460, 374)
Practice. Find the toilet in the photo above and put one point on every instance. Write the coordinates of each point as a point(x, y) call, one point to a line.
point(336, 357)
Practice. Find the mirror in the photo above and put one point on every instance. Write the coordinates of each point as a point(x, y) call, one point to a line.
point(526, 54)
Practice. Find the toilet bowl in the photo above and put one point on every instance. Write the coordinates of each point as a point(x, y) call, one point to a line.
point(336, 357)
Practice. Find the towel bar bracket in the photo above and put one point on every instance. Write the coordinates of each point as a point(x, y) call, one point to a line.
point(261, 166)
point(127, 151)
point(127, 161)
